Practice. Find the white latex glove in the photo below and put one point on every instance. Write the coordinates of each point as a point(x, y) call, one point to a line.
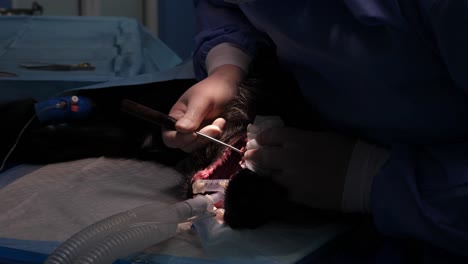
point(311, 165)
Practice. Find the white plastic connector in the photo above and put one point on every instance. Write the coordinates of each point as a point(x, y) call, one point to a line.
point(75, 99)
point(203, 186)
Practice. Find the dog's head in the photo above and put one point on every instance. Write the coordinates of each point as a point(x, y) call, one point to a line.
point(250, 199)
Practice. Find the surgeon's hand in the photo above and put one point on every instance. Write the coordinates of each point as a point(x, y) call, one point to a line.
point(311, 165)
point(200, 105)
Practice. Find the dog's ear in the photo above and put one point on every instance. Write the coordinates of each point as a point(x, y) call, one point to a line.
point(252, 200)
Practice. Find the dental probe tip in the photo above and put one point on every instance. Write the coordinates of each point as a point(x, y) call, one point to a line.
point(219, 142)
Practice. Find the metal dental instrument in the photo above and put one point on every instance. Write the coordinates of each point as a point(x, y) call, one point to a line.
point(219, 142)
point(162, 120)
point(84, 66)
point(7, 74)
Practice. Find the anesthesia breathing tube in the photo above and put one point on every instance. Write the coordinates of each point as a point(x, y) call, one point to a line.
point(127, 232)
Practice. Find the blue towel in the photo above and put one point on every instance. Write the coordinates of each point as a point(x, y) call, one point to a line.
point(119, 48)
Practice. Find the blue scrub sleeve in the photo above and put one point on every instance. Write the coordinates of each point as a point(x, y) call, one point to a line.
point(220, 22)
point(422, 192)
point(448, 21)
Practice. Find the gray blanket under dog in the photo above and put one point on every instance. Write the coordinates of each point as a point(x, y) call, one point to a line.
point(52, 202)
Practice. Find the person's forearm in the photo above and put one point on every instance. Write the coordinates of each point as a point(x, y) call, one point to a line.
point(229, 73)
point(220, 23)
point(365, 162)
point(227, 53)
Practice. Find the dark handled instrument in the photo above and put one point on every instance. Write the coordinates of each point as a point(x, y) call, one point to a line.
point(161, 119)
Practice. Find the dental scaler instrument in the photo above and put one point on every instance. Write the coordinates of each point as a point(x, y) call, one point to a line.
point(162, 120)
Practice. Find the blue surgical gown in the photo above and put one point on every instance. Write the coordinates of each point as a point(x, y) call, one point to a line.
point(394, 72)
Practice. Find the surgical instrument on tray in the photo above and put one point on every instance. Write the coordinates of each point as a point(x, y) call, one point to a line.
point(7, 74)
point(84, 66)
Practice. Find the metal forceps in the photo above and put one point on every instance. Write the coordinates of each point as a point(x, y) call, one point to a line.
point(84, 66)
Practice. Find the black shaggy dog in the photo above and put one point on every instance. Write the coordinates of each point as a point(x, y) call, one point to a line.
point(250, 201)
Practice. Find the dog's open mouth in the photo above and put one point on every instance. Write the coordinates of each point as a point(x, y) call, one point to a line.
point(225, 165)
